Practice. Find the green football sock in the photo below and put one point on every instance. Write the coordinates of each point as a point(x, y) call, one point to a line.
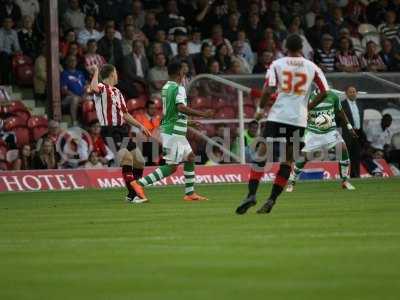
point(190, 176)
point(157, 175)
point(344, 164)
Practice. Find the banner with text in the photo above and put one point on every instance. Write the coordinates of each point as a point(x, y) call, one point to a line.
point(78, 179)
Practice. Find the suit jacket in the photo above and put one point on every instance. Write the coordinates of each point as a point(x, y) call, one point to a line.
point(104, 49)
point(129, 69)
point(347, 110)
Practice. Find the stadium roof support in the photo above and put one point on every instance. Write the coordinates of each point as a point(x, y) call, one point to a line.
point(53, 60)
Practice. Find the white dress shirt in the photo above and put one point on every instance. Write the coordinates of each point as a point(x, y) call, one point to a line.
point(377, 136)
point(355, 113)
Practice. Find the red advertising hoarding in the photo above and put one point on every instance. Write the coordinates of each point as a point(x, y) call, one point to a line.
point(77, 179)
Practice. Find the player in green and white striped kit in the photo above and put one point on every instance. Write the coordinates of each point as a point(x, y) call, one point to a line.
point(176, 148)
point(317, 139)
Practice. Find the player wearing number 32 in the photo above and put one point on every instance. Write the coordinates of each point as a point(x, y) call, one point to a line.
point(292, 78)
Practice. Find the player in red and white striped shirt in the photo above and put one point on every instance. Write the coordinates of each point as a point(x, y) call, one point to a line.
point(292, 78)
point(115, 120)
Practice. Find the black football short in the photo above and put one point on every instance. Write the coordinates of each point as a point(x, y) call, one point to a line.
point(281, 130)
point(117, 133)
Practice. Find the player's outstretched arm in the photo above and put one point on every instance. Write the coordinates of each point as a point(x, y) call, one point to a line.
point(133, 122)
point(193, 112)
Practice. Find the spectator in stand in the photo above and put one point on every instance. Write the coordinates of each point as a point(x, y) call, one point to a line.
point(24, 160)
point(150, 26)
point(355, 41)
point(127, 39)
point(53, 134)
point(195, 42)
point(75, 50)
point(337, 22)
point(213, 67)
point(111, 23)
point(311, 16)
point(294, 28)
point(8, 9)
point(346, 59)
point(253, 30)
point(73, 17)
point(183, 55)
point(73, 84)
point(200, 60)
point(114, 9)
point(247, 52)
point(29, 40)
point(138, 13)
point(89, 32)
point(171, 18)
point(204, 16)
point(110, 47)
point(29, 8)
point(388, 56)
point(151, 121)
point(162, 39)
point(91, 8)
point(325, 57)
point(158, 75)
point(155, 49)
point(390, 29)
point(238, 56)
point(265, 42)
point(99, 146)
point(264, 61)
point(315, 33)
point(135, 65)
point(40, 75)
point(218, 39)
point(92, 57)
point(45, 158)
point(232, 29)
point(9, 46)
point(69, 37)
point(223, 57)
point(379, 137)
point(179, 37)
point(250, 140)
point(234, 68)
point(93, 161)
point(371, 61)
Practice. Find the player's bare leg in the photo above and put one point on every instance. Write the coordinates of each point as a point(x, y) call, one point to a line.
point(344, 168)
point(280, 182)
point(190, 176)
point(295, 174)
point(256, 173)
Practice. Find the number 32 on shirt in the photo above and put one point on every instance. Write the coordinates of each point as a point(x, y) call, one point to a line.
point(294, 83)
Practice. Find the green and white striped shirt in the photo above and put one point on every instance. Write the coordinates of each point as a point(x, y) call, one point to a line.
point(330, 106)
point(174, 122)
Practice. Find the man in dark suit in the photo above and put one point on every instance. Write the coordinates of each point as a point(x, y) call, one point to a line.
point(110, 47)
point(200, 60)
point(134, 69)
point(355, 113)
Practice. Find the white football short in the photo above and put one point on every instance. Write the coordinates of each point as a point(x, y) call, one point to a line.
point(176, 148)
point(314, 141)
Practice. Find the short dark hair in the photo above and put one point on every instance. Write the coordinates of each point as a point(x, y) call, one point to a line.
point(174, 68)
point(254, 122)
point(149, 102)
point(182, 44)
point(91, 41)
point(106, 71)
point(204, 46)
point(294, 43)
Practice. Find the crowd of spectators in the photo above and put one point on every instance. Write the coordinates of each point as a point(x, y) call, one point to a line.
point(219, 37)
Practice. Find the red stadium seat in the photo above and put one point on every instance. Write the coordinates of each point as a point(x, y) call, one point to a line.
point(38, 126)
point(18, 108)
point(200, 103)
point(22, 68)
point(249, 111)
point(14, 122)
point(158, 103)
point(226, 113)
point(87, 106)
point(219, 103)
point(134, 104)
point(90, 117)
point(137, 111)
point(88, 112)
point(23, 136)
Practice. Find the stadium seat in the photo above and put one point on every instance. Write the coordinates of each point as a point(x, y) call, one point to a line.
point(200, 103)
point(14, 122)
point(88, 112)
point(22, 68)
point(158, 103)
point(134, 104)
point(220, 103)
point(18, 126)
point(137, 111)
point(249, 111)
point(87, 106)
point(23, 136)
point(226, 113)
point(18, 108)
point(372, 114)
point(38, 126)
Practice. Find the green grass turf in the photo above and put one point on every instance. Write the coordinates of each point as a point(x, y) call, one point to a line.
point(319, 243)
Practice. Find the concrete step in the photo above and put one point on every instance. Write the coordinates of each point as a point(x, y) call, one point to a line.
point(38, 111)
point(30, 103)
point(64, 125)
point(16, 96)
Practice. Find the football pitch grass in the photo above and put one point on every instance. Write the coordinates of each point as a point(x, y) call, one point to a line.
point(320, 242)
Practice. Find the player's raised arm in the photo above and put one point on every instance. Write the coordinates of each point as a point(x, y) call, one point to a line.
point(323, 87)
point(94, 83)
